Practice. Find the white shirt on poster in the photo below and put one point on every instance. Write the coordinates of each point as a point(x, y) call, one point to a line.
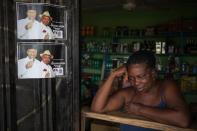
point(32, 33)
point(46, 30)
point(32, 72)
point(47, 71)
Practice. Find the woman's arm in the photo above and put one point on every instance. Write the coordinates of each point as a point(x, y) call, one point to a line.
point(176, 113)
point(102, 101)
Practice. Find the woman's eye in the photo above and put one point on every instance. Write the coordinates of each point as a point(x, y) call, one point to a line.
point(142, 76)
point(130, 78)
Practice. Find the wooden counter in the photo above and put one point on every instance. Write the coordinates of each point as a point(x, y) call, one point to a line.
point(123, 118)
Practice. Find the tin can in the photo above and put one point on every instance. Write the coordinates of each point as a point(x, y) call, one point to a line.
point(194, 69)
point(185, 68)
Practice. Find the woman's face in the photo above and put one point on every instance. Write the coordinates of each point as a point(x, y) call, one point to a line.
point(141, 77)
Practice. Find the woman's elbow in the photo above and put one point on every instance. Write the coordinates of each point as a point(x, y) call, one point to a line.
point(185, 121)
point(97, 111)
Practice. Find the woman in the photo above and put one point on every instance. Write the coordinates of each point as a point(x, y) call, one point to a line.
point(159, 100)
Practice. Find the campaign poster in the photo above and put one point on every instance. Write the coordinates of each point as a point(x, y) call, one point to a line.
point(41, 60)
point(41, 21)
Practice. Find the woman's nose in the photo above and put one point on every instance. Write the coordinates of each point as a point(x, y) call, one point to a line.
point(136, 82)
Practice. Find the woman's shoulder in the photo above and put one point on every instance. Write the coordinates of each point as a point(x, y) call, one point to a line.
point(169, 85)
point(168, 82)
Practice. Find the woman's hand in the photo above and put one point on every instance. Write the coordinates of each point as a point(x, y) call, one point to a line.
point(120, 71)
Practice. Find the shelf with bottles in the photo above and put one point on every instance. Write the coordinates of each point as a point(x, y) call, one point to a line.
point(91, 77)
point(166, 64)
point(91, 60)
point(173, 28)
point(177, 65)
point(177, 74)
point(163, 46)
point(90, 70)
point(91, 63)
point(190, 47)
point(100, 55)
point(89, 85)
point(176, 39)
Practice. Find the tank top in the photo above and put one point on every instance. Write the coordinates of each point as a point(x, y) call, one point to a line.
point(124, 127)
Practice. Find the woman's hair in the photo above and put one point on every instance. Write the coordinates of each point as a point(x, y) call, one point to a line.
point(142, 57)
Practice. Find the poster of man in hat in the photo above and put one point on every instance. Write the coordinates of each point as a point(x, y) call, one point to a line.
point(46, 58)
point(46, 32)
point(41, 60)
point(40, 21)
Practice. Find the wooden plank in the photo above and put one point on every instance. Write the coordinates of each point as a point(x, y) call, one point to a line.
point(123, 118)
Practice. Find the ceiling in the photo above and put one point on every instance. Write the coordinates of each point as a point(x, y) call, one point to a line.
point(107, 4)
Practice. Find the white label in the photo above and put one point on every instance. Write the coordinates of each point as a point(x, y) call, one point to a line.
point(58, 33)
